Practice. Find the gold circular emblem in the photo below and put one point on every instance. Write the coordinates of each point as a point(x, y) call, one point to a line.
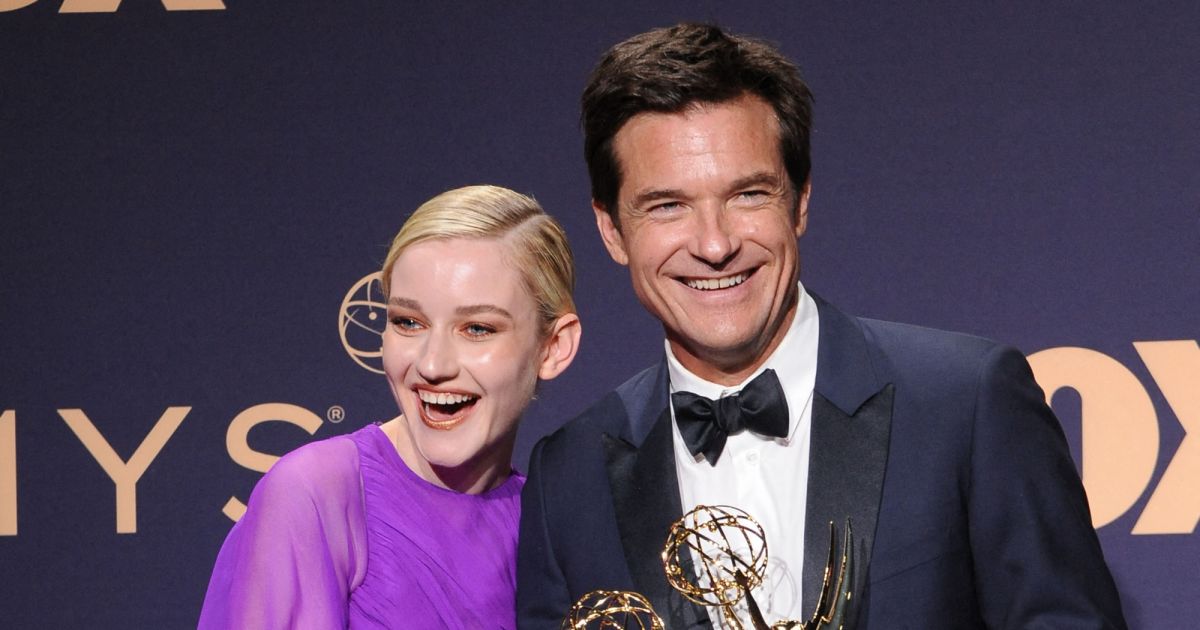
point(361, 323)
point(729, 548)
point(612, 610)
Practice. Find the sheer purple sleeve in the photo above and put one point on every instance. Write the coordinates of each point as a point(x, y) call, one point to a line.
point(300, 549)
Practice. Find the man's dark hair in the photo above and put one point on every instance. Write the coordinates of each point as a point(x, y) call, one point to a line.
point(670, 69)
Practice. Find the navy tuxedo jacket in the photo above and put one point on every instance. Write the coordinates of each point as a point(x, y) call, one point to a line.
point(966, 506)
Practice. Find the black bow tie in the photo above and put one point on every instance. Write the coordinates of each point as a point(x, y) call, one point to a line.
point(706, 424)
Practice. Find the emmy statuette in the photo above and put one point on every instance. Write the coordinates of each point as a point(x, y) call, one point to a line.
point(612, 610)
point(730, 550)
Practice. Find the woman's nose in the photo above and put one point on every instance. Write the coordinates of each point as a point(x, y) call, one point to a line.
point(437, 361)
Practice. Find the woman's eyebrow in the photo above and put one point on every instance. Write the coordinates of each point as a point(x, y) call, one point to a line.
point(476, 309)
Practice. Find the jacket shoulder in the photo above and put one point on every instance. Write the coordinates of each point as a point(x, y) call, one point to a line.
point(910, 346)
point(611, 414)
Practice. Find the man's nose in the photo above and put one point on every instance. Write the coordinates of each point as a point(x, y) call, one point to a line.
point(715, 240)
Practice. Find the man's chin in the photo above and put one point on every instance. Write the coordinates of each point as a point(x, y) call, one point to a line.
point(724, 353)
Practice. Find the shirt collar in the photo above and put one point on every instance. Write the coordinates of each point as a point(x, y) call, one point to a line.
point(794, 361)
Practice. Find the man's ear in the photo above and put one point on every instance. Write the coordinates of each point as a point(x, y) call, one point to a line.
point(559, 348)
point(802, 207)
point(610, 234)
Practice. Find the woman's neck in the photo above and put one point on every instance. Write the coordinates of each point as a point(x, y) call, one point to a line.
point(482, 473)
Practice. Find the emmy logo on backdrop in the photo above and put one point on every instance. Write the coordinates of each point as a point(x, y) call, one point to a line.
point(729, 548)
point(361, 322)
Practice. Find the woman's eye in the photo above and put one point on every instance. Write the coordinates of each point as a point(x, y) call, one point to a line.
point(405, 324)
point(479, 330)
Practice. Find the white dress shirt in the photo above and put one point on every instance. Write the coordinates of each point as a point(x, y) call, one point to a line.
point(764, 476)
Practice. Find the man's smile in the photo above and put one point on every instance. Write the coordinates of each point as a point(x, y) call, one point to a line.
point(713, 284)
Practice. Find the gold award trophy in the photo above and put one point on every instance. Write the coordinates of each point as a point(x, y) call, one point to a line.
point(612, 610)
point(730, 548)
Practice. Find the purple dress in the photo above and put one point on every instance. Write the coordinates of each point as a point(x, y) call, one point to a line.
point(340, 533)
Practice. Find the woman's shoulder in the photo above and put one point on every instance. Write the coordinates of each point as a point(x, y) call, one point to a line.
point(318, 459)
point(299, 549)
point(326, 469)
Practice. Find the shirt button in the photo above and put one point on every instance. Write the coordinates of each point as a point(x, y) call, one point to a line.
point(752, 458)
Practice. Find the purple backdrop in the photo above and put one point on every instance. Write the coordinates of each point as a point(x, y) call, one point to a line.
point(187, 197)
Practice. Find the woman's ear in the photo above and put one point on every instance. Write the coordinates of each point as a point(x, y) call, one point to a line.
point(559, 348)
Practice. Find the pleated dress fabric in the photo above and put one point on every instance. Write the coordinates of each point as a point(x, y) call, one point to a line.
point(341, 533)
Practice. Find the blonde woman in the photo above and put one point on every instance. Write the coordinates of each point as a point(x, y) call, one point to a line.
point(412, 523)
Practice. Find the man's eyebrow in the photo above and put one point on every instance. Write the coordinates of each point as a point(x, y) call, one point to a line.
point(761, 178)
point(656, 194)
point(475, 309)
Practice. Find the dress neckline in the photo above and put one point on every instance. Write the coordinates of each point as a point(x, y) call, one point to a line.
point(511, 485)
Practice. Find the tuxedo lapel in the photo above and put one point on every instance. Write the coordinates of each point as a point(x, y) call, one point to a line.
point(845, 481)
point(851, 429)
point(645, 493)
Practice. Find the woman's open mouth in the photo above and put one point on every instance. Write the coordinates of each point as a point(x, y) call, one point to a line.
point(443, 410)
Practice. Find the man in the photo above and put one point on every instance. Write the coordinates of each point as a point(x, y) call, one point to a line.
point(966, 509)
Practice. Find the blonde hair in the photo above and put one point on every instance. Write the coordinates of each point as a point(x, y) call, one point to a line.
point(537, 244)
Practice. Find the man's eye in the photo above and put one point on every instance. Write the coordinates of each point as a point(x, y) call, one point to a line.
point(666, 207)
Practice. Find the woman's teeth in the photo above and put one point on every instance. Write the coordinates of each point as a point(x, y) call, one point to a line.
point(444, 411)
point(443, 398)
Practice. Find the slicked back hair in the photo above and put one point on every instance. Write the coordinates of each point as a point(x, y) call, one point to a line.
point(536, 243)
point(668, 70)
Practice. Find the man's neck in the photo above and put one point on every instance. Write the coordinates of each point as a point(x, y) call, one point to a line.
point(735, 366)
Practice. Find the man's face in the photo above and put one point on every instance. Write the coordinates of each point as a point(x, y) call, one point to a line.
point(708, 228)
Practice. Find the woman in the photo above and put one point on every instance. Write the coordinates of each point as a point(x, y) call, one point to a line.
point(413, 523)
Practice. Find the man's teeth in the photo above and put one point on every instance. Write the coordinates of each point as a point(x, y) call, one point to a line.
point(707, 284)
point(442, 398)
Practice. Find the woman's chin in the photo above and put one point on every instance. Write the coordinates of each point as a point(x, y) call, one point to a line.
point(453, 450)
point(458, 448)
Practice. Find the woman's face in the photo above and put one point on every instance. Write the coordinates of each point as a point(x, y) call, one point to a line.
point(462, 350)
